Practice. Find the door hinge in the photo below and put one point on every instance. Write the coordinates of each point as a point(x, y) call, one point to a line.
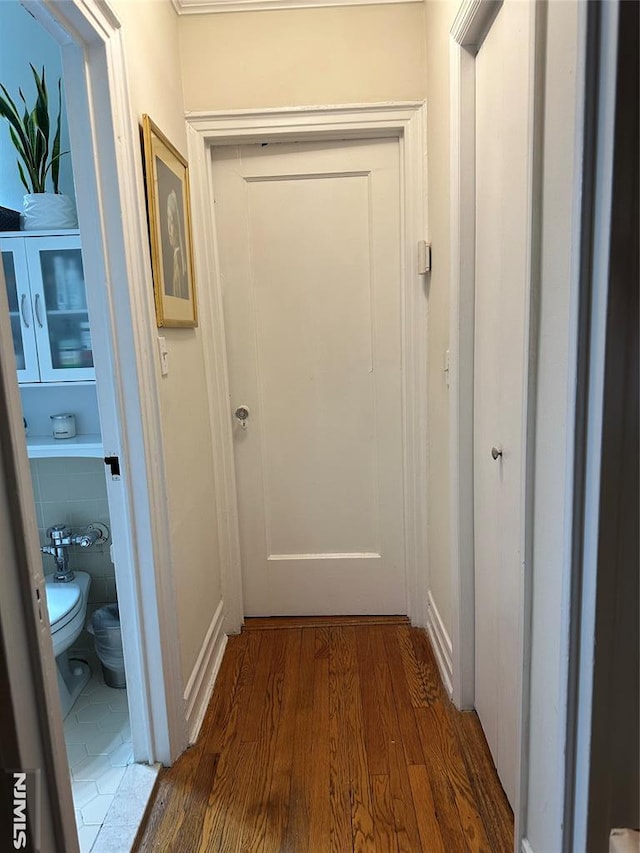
point(424, 257)
point(39, 603)
point(113, 463)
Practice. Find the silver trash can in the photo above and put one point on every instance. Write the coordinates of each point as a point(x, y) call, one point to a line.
point(105, 627)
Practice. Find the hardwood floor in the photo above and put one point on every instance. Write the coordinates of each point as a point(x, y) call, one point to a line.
point(325, 736)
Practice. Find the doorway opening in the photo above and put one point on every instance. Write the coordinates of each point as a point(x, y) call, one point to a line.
point(52, 327)
point(403, 122)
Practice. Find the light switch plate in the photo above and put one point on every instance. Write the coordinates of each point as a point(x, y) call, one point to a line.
point(164, 356)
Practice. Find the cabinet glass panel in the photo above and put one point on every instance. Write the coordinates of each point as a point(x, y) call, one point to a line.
point(66, 307)
point(14, 308)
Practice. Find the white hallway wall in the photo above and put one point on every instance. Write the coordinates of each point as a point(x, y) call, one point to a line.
point(150, 31)
point(295, 57)
point(439, 15)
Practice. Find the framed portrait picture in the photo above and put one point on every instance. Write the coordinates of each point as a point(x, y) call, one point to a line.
point(168, 206)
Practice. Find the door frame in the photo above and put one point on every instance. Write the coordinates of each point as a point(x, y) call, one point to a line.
point(604, 123)
point(111, 213)
point(406, 122)
point(468, 31)
point(31, 716)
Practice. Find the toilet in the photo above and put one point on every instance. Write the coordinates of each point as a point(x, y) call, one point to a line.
point(67, 606)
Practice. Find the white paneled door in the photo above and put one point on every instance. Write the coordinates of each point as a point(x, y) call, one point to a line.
point(309, 247)
point(503, 162)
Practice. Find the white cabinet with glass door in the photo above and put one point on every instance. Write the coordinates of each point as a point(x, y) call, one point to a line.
point(48, 307)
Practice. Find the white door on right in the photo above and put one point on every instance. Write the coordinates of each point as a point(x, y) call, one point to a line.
point(503, 229)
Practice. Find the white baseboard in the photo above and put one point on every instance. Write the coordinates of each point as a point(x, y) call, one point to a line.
point(526, 846)
point(204, 674)
point(441, 643)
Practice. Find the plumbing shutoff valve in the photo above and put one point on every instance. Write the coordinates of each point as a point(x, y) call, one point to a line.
point(62, 537)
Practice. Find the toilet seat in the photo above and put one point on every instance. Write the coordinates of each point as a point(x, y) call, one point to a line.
point(64, 601)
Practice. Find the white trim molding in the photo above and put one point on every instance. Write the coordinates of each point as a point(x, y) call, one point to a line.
point(461, 348)
point(473, 22)
point(468, 30)
point(441, 644)
point(406, 122)
point(203, 676)
point(526, 846)
point(203, 7)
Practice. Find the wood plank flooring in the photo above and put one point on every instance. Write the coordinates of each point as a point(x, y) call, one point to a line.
point(330, 736)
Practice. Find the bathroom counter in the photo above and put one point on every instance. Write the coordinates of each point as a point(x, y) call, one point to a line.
point(43, 446)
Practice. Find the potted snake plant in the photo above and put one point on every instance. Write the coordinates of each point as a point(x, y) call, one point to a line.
point(38, 157)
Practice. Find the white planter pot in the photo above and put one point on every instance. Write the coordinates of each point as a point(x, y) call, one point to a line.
point(48, 211)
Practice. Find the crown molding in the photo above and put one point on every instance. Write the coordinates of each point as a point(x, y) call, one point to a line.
point(203, 7)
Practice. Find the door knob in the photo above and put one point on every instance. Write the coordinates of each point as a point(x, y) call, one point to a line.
point(495, 452)
point(242, 414)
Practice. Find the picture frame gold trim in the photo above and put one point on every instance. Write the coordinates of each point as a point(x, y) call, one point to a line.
point(166, 179)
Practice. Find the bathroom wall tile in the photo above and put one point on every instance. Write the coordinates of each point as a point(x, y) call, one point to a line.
point(40, 465)
point(97, 594)
point(87, 563)
point(110, 589)
point(54, 513)
point(96, 564)
point(70, 487)
point(39, 519)
point(82, 513)
point(91, 486)
point(79, 565)
point(54, 488)
point(90, 611)
point(62, 465)
point(74, 513)
point(34, 479)
point(83, 647)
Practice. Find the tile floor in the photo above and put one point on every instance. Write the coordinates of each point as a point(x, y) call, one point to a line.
point(98, 738)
